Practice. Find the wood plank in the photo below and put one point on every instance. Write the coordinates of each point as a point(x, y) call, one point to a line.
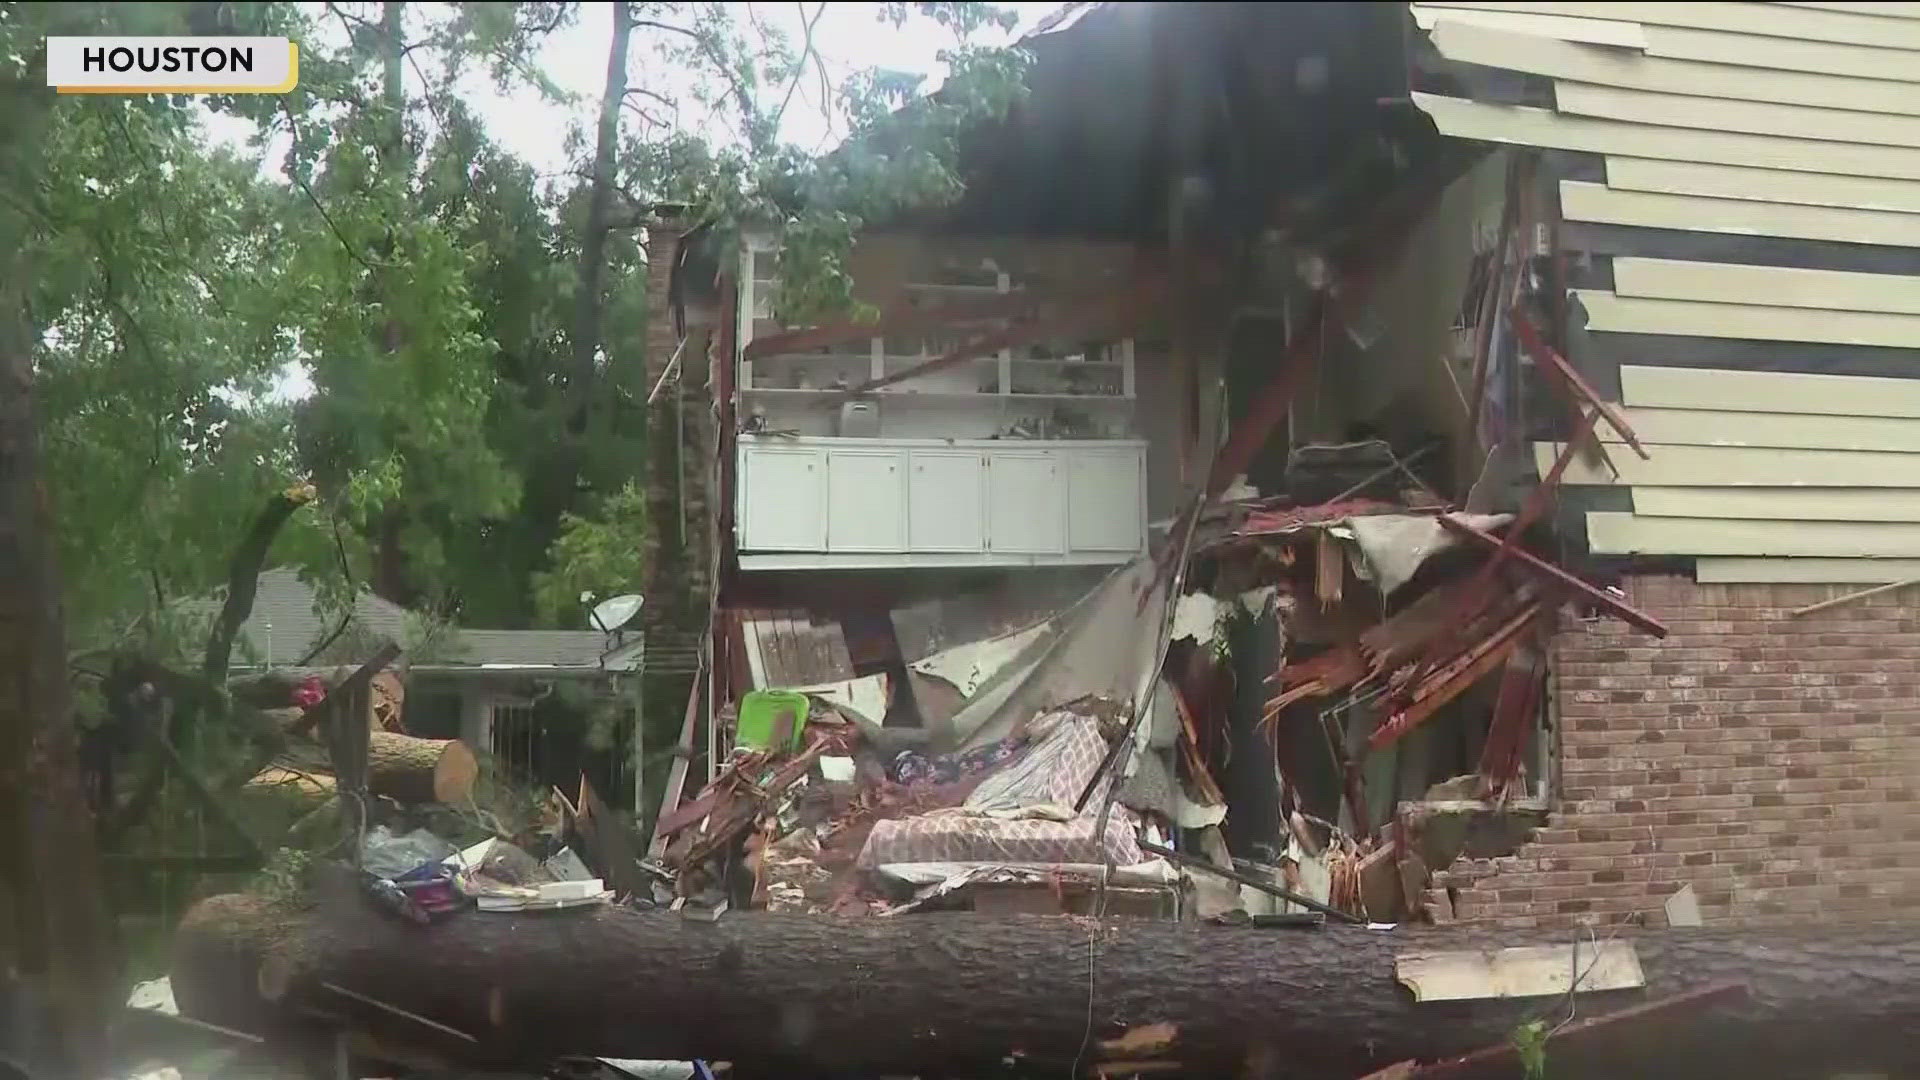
point(1814, 571)
point(1786, 431)
point(1724, 114)
point(1596, 202)
point(1768, 391)
point(1612, 532)
point(1690, 318)
point(1776, 504)
point(1759, 20)
point(1524, 126)
point(1478, 44)
point(1536, 25)
point(1763, 185)
point(1558, 575)
point(1781, 286)
point(1523, 971)
point(1743, 466)
point(1782, 54)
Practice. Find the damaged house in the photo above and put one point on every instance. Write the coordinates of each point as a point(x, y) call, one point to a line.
point(1385, 461)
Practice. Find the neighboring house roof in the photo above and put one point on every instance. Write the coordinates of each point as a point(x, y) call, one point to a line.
point(284, 627)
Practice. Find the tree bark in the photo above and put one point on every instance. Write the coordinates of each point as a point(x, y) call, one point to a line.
point(55, 937)
point(400, 767)
point(414, 770)
point(589, 301)
point(815, 996)
point(243, 576)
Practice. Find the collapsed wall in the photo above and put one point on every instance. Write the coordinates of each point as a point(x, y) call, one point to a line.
point(1772, 762)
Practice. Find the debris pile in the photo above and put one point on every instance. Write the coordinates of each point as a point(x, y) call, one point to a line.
point(1265, 724)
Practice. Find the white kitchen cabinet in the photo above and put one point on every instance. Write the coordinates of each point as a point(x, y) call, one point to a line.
point(866, 501)
point(783, 499)
point(946, 501)
point(1026, 503)
point(820, 502)
point(1105, 508)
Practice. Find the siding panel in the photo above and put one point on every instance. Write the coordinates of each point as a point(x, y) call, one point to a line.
point(1764, 185)
point(1597, 203)
point(1476, 44)
point(1785, 431)
point(1768, 20)
point(1625, 35)
point(1526, 126)
point(1829, 504)
point(1722, 114)
point(1689, 318)
point(1728, 283)
point(1741, 466)
point(1768, 391)
point(1780, 54)
point(1614, 533)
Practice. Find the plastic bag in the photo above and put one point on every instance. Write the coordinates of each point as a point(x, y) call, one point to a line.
point(393, 857)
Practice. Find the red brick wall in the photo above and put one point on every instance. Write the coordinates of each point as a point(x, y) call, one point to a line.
point(1772, 762)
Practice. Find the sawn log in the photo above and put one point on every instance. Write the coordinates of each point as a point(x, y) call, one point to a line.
point(813, 996)
point(400, 767)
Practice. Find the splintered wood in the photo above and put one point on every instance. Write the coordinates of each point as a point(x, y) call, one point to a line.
point(1530, 971)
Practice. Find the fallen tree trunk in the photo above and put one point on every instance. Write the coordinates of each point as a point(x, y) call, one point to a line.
point(812, 996)
point(414, 770)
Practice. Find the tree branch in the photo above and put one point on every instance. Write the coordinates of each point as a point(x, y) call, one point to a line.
point(800, 63)
point(243, 576)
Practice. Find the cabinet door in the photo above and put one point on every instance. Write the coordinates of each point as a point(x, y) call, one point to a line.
point(866, 501)
point(1104, 512)
point(1025, 496)
point(946, 500)
point(783, 499)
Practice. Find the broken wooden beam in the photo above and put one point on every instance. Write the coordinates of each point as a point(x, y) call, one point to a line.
point(1449, 681)
point(1542, 568)
point(1531, 340)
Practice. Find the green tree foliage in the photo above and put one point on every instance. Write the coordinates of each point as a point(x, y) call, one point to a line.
point(595, 557)
point(427, 281)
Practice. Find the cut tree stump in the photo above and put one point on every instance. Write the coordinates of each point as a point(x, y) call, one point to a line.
point(400, 767)
point(810, 996)
point(414, 770)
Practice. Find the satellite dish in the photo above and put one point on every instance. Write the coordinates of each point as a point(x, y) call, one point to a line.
point(615, 612)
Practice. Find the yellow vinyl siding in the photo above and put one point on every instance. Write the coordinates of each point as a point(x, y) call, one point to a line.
point(1564, 59)
point(1634, 315)
point(1802, 571)
point(1724, 114)
point(1763, 185)
point(1763, 20)
point(1827, 504)
point(1782, 286)
point(1768, 391)
point(1782, 431)
point(1521, 125)
point(1614, 533)
point(1601, 204)
point(1781, 122)
point(1741, 466)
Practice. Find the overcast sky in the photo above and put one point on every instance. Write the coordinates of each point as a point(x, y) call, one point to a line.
point(849, 37)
